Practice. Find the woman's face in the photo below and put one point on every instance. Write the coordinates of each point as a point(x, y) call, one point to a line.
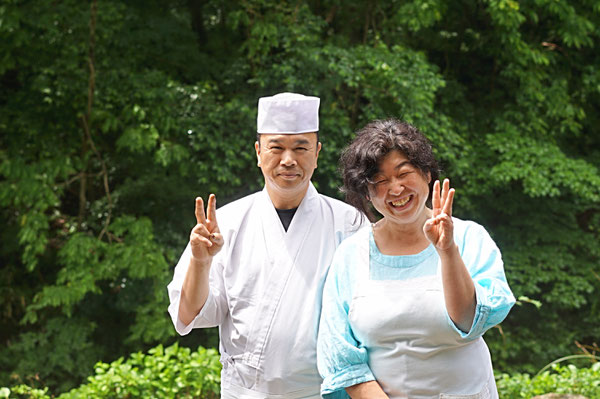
point(399, 190)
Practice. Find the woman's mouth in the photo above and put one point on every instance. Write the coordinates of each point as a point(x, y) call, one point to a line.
point(401, 202)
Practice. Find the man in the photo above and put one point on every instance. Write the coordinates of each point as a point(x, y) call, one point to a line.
point(259, 272)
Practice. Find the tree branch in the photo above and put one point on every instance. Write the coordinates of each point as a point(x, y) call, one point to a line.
point(85, 119)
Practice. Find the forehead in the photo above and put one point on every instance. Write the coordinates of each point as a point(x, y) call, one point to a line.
point(289, 139)
point(392, 160)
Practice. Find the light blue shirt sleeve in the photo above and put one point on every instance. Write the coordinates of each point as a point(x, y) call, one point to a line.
point(484, 263)
point(342, 361)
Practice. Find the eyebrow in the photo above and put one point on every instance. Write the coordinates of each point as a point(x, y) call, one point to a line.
point(297, 142)
point(400, 165)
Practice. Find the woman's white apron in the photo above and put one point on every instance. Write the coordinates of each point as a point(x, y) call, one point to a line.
point(413, 350)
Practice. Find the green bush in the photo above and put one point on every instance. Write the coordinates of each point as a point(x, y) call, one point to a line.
point(176, 372)
point(561, 379)
point(172, 372)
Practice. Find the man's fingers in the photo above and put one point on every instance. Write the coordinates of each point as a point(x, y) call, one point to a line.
point(197, 239)
point(201, 229)
point(200, 216)
point(212, 209)
point(216, 238)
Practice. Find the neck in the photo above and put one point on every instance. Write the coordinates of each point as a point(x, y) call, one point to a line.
point(401, 239)
point(282, 199)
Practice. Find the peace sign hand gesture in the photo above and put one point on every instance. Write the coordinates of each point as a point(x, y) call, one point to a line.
point(206, 239)
point(439, 229)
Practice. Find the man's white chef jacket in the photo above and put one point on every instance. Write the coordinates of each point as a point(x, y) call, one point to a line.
point(265, 293)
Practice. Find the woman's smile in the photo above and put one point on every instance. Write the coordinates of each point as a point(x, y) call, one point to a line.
point(402, 202)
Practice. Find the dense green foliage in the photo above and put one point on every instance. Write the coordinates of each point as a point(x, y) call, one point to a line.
point(115, 115)
point(178, 373)
point(562, 380)
point(163, 373)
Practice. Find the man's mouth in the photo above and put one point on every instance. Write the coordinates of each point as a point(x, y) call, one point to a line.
point(288, 175)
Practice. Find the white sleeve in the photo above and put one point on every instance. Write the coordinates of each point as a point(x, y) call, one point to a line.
point(214, 310)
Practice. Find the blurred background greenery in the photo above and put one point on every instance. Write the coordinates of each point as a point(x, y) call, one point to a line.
point(114, 115)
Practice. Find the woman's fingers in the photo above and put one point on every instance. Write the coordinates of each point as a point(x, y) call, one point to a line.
point(435, 198)
point(439, 228)
point(449, 201)
point(445, 188)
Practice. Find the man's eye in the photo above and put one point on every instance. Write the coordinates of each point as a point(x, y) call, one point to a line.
point(301, 149)
point(275, 147)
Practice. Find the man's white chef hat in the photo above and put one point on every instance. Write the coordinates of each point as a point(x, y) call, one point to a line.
point(288, 113)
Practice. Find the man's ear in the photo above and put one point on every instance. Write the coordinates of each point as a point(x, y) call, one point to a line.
point(257, 148)
point(318, 151)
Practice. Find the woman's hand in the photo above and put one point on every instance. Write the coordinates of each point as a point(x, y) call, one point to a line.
point(459, 289)
point(439, 229)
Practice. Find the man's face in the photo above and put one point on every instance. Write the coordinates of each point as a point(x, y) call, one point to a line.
point(287, 161)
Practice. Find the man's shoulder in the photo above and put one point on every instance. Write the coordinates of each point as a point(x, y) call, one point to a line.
point(337, 204)
point(358, 238)
point(240, 203)
point(233, 213)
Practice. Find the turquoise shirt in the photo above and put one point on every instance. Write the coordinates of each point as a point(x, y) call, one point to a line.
point(343, 361)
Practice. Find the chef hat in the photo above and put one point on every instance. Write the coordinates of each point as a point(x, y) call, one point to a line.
point(288, 113)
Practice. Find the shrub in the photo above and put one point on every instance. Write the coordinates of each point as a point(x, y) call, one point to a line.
point(567, 379)
point(172, 372)
point(178, 373)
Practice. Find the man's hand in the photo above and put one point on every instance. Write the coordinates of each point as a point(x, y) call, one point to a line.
point(206, 239)
point(439, 230)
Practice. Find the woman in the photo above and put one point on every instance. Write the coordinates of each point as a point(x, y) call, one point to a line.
point(407, 299)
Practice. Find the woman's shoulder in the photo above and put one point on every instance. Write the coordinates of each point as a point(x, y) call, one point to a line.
point(469, 231)
point(467, 226)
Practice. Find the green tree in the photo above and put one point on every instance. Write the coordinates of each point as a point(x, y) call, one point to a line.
point(115, 115)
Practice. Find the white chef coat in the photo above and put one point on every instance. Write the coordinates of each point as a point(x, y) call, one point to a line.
point(265, 293)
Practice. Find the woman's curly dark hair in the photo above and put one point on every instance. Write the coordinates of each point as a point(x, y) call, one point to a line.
point(360, 159)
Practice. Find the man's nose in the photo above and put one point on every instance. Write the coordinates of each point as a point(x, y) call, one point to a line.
point(288, 158)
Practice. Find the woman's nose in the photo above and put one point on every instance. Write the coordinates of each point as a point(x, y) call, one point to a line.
point(396, 187)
